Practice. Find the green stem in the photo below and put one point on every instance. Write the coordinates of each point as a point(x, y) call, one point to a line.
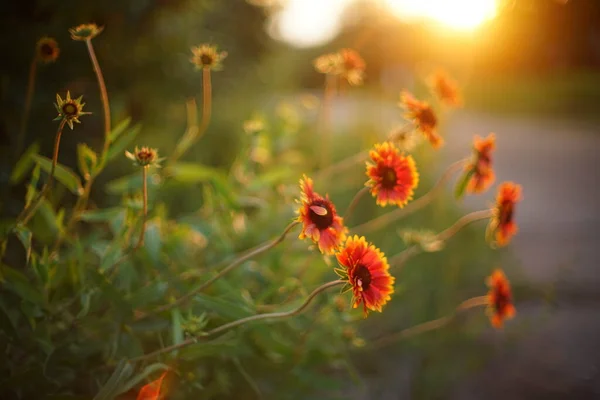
point(103, 94)
point(243, 321)
point(140, 242)
point(239, 260)
point(29, 212)
point(386, 219)
point(27, 108)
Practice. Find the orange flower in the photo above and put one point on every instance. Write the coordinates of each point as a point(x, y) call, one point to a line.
point(319, 218)
point(445, 89)
point(393, 176)
point(47, 49)
point(151, 391)
point(353, 66)
point(501, 223)
point(482, 174)
point(499, 299)
point(367, 271)
point(423, 116)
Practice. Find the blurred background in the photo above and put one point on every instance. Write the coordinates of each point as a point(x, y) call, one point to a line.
point(529, 71)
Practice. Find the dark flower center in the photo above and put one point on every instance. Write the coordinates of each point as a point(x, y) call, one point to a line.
point(363, 275)
point(69, 110)
point(506, 213)
point(388, 178)
point(46, 49)
point(145, 155)
point(321, 221)
point(501, 300)
point(206, 59)
point(427, 117)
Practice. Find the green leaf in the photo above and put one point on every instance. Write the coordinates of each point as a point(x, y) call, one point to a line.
point(113, 386)
point(119, 146)
point(149, 370)
point(119, 129)
point(86, 299)
point(32, 187)
point(177, 331)
point(125, 184)
point(192, 173)
point(25, 237)
point(63, 174)
point(18, 283)
point(148, 294)
point(226, 308)
point(224, 345)
point(86, 159)
point(153, 241)
point(463, 182)
point(24, 164)
point(101, 215)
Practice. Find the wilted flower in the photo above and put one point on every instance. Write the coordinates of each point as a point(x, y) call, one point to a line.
point(353, 66)
point(144, 157)
point(319, 219)
point(392, 175)
point(206, 56)
point(405, 140)
point(85, 31)
point(480, 169)
point(502, 224)
point(500, 305)
point(445, 89)
point(423, 116)
point(367, 272)
point(47, 49)
point(151, 391)
point(69, 109)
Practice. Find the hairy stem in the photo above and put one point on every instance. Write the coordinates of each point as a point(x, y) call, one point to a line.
point(386, 219)
point(239, 260)
point(29, 212)
point(355, 200)
point(103, 94)
point(27, 107)
point(462, 222)
point(428, 326)
point(243, 321)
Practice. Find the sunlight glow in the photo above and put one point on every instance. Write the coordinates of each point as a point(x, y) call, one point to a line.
point(457, 14)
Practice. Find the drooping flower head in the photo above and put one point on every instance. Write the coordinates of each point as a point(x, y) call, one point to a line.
point(367, 271)
point(445, 89)
point(320, 221)
point(85, 32)
point(69, 109)
point(207, 56)
point(500, 305)
point(353, 66)
point(480, 168)
point(144, 157)
point(47, 50)
point(393, 176)
point(502, 224)
point(423, 116)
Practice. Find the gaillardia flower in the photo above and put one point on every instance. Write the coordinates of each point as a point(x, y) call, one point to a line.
point(330, 63)
point(319, 219)
point(207, 56)
point(69, 109)
point(500, 305)
point(144, 157)
point(367, 271)
point(392, 175)
point(423, 116)
point(445, 89)
point(480, 168)
point(47, 50)
point(353, 66)
point(502, 224)
point(85, 32)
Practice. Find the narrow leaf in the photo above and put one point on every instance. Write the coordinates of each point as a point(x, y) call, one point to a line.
point(25, 237)
point(32, 187)
point(86, 160)
point(463, 182)
point(125, 184)
point(24, 164)
point(101, 215)
point(192, 173)
point(63, 174)
point(119, 129)
point(119, 146)
point(176, 323)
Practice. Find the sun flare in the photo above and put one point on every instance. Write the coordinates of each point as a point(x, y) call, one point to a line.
point(457, 14)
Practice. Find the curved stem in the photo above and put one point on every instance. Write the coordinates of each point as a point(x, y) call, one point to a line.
point(243, 321)
point(239, 260)
point(341, 165)
point(430, 325)
point(103, 94)
point(355, 200)
point(27, 108)
point(386, 219)
point(29, 212)
point(462, 222)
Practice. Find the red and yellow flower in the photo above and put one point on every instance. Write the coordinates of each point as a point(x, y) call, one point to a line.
point(445, 89)
point(393, 176)
point(480, 169)
point(353, 66)
point(500, 305)
point(320, 221)
point(422, 115)
point(502, 224)
point(367, 272)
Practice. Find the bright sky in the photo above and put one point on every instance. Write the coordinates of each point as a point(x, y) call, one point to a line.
point(307, 23)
